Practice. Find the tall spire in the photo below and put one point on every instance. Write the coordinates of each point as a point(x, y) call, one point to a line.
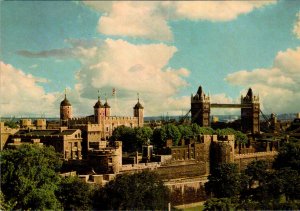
point(138, 96)
point(98, 95)
point(65, 93)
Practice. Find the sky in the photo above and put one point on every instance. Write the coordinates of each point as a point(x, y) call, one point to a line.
point(162, 50)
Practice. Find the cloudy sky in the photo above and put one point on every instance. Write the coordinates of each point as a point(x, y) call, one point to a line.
point(161, 50)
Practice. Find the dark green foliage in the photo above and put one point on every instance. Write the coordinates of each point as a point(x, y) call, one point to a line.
point(217, 204)
point(197, 130)
point(74, 194)
point(285, 182)
point(6, 205)
point(139, 191)
point(11, 124)
point(224, 181)
point(127, 136)
point(132, 138)
point(143, 136)
point(185, 131)
point(239, 136)
point(289, 156)
point(161, 135)
point(173, 133)
point(257, 171)
point(28, 176)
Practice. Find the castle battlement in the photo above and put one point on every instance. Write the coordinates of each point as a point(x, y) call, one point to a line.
point(255, 154)
point(121, 118)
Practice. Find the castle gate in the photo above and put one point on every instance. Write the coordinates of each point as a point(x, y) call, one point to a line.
point(250, 108)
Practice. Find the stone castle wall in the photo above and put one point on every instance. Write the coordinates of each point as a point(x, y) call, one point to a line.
point(242, 160)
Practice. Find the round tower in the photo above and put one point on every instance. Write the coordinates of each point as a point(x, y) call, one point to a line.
point(65, 111)
point(99, 111)
point(138, 111)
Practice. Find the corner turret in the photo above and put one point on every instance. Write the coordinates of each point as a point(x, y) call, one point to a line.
point(138, 111)
point(106, 108)
point(99, 110)
point(65, 111)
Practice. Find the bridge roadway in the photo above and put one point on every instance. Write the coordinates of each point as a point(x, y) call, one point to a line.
point(221, 105)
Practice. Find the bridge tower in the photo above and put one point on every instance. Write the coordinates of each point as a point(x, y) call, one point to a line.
point(200, 108)
point(250, 115)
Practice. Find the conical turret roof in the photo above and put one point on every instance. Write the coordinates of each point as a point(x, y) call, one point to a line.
point(138, 105)
point(65, 102)
point(98, 104)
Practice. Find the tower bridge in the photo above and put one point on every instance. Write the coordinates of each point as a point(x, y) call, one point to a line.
point(250, 109)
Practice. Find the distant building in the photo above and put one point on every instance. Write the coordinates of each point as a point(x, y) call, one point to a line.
point(101, 124)
point(250, 115)
point(5, 133)
point(65, 141)
point(250, 110)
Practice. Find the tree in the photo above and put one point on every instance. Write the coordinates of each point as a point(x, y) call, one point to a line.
point(139, 191)
point(197, 130)
point(127, 136)
point(185, 130)
point(224, 181)
point(239, 136)
point(288, 156)
point(217, 204)
point(29, 176)
point(173, 133)
point(257, 171)
point(74, 194)
point(161, 135)
point(258, 178)
point(142, 135)
point(6, 205)
point(11, 124)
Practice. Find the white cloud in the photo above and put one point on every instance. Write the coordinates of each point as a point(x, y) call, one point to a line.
point(296, 29)
point(278, 86)
point(21, 95)
point(216, 10)
point(150, 19)
point(135, 19)
point(130, 69)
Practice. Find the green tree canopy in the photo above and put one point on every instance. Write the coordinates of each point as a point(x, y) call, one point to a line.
point(185, 130)
point(218, 204)
point(74, 194)
point(132, 138)
point(288, 156)
point(139, 191)
point(239, 136)
point(224, 181)
point(142, 135)
point(161, 135)
point(11, 124)
point(127, 136)
point(28, 176)
point(172, 132)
